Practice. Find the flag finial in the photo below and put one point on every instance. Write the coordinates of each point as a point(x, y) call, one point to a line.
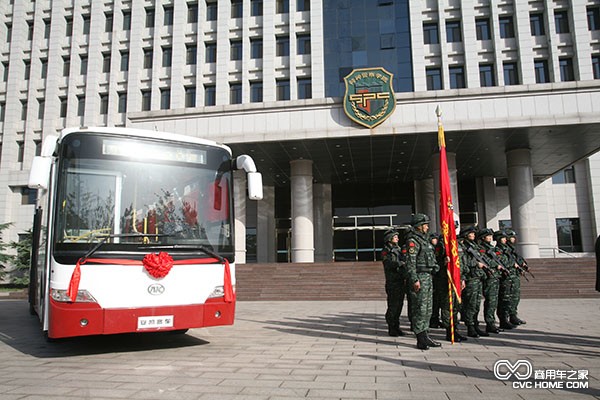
point(438, 111)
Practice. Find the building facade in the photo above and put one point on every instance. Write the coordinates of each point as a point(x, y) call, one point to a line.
point(518, 84)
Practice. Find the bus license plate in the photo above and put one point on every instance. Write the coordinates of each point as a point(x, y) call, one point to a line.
point(157, 321)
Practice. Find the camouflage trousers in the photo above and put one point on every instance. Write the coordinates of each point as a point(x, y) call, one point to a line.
point(421, 303)
point(505, 297)
point(471, 301)
point(515, 296)
point(440, 294)
point(395, 289)
point(491, 286)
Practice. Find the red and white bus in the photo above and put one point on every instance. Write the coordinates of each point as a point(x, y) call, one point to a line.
point(133, 232)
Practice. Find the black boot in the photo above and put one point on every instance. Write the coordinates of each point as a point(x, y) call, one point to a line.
point(457, 336)
point(471, 331)
point(492, 328)
point(422, 341)
point(514, 320)
point(431, 342)
point(480, 332)
point(393, 332)
point(505, 324)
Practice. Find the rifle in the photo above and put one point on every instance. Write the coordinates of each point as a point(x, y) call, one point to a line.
point(494, 256)
point(523, 269)
point(478, 258)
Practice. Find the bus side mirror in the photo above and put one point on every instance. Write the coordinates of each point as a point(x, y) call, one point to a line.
point(39, 176)
point(255, 188)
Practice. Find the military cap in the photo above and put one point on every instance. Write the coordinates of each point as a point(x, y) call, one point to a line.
point(465, 231)
point(419, 219)
point(500, 234)
point(389, 235)
point(510, 233)
point(485, 232)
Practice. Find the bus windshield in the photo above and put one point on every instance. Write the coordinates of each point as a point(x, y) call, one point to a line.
point(137, 194)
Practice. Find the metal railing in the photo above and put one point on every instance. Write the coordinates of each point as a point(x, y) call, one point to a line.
point(556, 251)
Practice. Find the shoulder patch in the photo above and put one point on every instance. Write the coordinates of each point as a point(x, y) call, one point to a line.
point(411, 243)
point(384, 253)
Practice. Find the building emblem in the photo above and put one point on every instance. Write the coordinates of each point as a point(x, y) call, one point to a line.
point(369, 98)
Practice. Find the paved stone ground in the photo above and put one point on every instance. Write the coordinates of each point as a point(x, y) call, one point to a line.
point(290, 350)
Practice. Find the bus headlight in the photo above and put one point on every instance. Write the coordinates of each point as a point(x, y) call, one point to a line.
point(217, 292)
point(83, 296)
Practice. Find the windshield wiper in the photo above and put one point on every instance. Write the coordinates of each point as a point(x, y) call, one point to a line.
point(119, 235)
point(187, 246)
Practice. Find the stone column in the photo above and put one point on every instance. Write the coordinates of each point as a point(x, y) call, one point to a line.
point(323, 212)
point(522, 201)
point(303, 247)
point(239, 207)
point(425, 201)
point(265, 227)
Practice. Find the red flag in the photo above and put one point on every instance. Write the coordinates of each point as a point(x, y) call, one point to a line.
point(447, 217)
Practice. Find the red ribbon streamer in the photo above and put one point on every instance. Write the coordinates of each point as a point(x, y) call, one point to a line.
point(229, 295)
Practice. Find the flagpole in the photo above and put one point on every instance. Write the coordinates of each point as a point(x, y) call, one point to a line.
point(438, 113)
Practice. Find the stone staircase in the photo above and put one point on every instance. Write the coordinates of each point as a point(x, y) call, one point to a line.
point(554, 278)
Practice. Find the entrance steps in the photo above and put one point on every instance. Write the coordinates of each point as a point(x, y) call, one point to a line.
point(554, 278)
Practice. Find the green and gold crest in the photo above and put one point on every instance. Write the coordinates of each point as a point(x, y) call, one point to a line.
point(369, 99)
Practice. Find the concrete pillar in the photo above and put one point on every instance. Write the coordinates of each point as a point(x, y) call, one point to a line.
point(239, 207)
point(323, 212)
point(303, 247)
point(451, 158)
point(265, 227)
point(522, 201)
point(425, 202)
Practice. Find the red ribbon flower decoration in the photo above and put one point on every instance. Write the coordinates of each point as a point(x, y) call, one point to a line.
point(158, 265)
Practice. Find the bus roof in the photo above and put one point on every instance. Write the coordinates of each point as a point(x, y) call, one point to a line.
point(144, 133)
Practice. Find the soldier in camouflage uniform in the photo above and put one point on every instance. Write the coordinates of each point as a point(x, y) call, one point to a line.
point(516, 281)
point(506, 280)
point(491, 283)
point(421, 264)
point(440, 280)
point(474, 274)
point(395, 281)
point(445, 301)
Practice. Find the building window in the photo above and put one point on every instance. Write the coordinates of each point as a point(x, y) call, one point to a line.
point(8, 32)
point(566, 69)
point(304, 88)
point(210, 95)
point(303, 5)
point(27, 70)
point(256, 92)
point(5, 71)
point(30, 30)
point(66, 66)
point(282, 46)
point(430, 33)
point(126, 20)
point(69, 27)
point(47, 29)
point(457, 77)
point(568, 234)
point(434, 78)
point(211, 11)
point(283, 89)
point(86, 24)
point(536, 23)
point(148, 55)
point(282, 6)
point(28, 196)
point(80, 106)
point(453, 32)
point(44, 69)
point(166, 56)
point(24, 110)
point(20, 151)
point(149, 17)
point(482, 29)
point(541, 71)
point(561, 19)
point(386, 41)
point(256, 8)
point(505, 224)
point(235, 93)
point(63, 107)
point(303, 44)
point(211, 52)
point(486, 75)
point(122, 108)
point(165, 99)
point(124, 61)
point(108, 22)
point(192, 16)
point(566, 175)
point(83, 67)
point(41, 108)
point(146, 100)
point(106, 62)
point(511, 74)
point(507, 28)
point(596, 66)
point(190, 54)
point(38, 147)
point(256, 48)
point(236, 8)
point(190, 96)
point(103, 104)
point(593, 17)
point(2, 111)
point(168, 16)
point(235, 50)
